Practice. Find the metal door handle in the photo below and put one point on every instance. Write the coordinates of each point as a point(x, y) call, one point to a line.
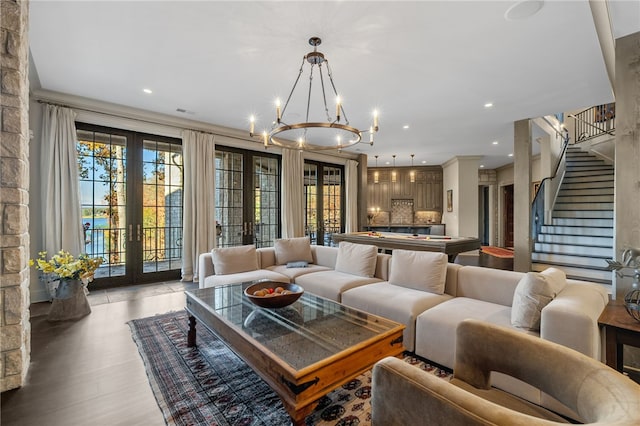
point(138, 232)
point(251, 228)
point(130, 232)
point(244, 230)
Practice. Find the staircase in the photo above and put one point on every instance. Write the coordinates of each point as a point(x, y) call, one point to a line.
point(580, 235)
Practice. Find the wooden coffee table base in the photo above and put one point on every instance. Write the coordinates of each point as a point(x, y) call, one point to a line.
point(301, 390)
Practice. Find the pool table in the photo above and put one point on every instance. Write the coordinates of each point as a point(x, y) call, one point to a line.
point(451, 246)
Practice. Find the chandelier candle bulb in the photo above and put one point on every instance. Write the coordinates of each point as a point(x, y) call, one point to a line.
point(265, 137)
point(338, 108)
point(252, 122)
point(278, 111)
point(375, 120)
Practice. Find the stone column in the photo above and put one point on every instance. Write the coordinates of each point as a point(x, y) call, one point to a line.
point(627, 172)
point(15, 329)
point(522, 195)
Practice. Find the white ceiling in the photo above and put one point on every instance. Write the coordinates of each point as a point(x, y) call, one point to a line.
point(431, 65)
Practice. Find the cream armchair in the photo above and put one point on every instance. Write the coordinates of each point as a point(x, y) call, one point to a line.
point(405, 395)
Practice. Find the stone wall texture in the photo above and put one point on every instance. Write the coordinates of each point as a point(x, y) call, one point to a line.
point(15, 329)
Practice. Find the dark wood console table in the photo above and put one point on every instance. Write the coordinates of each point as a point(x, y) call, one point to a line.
point(620, 329)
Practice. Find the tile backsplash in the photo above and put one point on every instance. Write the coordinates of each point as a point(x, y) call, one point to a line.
point(402, 212)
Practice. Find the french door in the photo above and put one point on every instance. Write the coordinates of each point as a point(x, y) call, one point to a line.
point(247, 197)
point(131, 194)
point(324, 209)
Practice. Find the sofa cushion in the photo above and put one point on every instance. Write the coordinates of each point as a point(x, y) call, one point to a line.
point(331, 284)
point(396, 303)
point(293, 250)
point(296, 272)
point(534, 291)
point(420, 270)
point(436, 327)
point(357, 259)
point(243, 277)
point(231, 260)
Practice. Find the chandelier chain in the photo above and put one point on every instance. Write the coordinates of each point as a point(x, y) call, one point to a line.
point(284, 109)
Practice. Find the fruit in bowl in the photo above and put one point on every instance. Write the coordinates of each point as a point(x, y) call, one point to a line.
point(273, 294)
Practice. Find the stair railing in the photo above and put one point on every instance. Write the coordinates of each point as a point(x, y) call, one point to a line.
point(537, 205)
point(595, 121)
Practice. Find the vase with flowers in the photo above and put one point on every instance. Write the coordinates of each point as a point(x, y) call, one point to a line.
point(72, 273)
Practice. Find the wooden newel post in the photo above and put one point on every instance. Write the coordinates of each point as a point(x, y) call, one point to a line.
point(191, 336)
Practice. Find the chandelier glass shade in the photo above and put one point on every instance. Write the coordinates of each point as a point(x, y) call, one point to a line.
point(320, 130)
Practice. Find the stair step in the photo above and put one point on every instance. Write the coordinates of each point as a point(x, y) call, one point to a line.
point(576, 239)
point(577, 230)
point(589, 198)
point(588, 222)
point(565, 259)
point(598, 178)
point(587, 251)
point(579, 173)
point(587, 185)
point(583, 214)
point(571, 162)
point(573, 206)
point(577, 273)
point(586, 191)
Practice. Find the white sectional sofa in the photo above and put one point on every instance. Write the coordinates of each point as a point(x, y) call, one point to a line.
point(431, 297)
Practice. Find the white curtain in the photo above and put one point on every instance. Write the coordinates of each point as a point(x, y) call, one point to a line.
point(199, 226)
point(61, 210)
point(351, 193)
point(292, 194)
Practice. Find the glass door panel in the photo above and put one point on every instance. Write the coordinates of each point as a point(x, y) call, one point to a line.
point(323, 192)
point(161, 234)
point(247, 198)
point(102, 160)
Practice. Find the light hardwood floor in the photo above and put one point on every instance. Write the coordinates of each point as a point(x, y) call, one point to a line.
point(89, 372)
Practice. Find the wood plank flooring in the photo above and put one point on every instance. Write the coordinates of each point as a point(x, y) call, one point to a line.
point(89, 372)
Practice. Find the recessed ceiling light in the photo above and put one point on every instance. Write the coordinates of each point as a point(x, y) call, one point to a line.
point(482, 166)
point(387, 163)
point(495, 142)
point(424, 161)
point(511, 155)
point(147, 91)
point(406, 126)
point(488, 105)
point(523, 9)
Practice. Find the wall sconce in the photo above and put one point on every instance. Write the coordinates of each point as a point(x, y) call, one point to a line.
point(412, 173)
point(376, 174)
point(394, 175)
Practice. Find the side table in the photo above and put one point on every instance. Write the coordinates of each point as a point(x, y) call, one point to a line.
point(620, 329)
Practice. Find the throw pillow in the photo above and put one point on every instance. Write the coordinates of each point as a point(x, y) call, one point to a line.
point(357, 259)
point(535, 291)
point(420, 270)
point(293, 250)
point(231, 260)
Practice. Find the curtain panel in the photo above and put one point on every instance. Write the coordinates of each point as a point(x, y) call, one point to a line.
point(62, 216)
point(351, 194)
point(199, 225)
point(292, 194)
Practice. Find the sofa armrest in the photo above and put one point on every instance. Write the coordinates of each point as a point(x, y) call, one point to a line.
point(571, 319)
point(205, 267)
point(405, 395)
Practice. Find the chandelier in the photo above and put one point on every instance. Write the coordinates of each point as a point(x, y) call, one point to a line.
point(313, 134)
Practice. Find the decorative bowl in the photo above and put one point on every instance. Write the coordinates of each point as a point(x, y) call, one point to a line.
point(277, 301)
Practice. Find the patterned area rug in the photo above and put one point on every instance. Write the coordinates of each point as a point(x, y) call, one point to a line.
point(500, 252)
point(210, 385)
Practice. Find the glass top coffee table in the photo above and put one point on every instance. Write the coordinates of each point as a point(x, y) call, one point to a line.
point(303, 351)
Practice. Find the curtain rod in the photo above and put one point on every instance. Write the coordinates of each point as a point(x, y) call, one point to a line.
point(40, 101)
